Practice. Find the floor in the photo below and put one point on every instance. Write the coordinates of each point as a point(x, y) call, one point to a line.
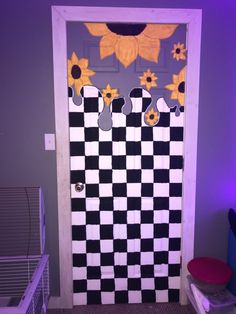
point(161, 308)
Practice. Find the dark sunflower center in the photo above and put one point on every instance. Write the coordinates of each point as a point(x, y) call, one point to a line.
point(149, 79)
point(151, 117)
point(177, 50)
point(126, 29)
point(108, 95)
point(181, 87)
point(76, 72)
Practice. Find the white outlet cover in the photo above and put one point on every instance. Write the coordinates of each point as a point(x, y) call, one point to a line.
point(49, 141)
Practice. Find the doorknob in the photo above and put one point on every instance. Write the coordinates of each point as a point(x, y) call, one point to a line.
point(79, 186)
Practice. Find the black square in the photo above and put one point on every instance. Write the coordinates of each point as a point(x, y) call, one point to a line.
point(173, 295)
point(164, 119)
point(146, 245)
point(94, 297)
point(107, 285)
point(174, 244)
point(76, 119)
point(133, 231)
point(133, 176)
point(78, 233)
point(92, 190)
point(147, 134)
point(105, 148)
point(118, 162)
point(148, 296)
point(133, 148)
point(161, 283)
point(79, 260)
point(174, 270)
point(79, 286)
point(105, 176)
point(93, 272)
point(120, 217)
point(77, 176)
point(146, 103)
point(78, 204)
point(161, 148)
point(147, 162)
point(120, 245)
point(175, 189)
point(118, 134)
point(136, 93)
point(147, 189)
point(134, 119)
point(91, 162)
point(134, 203)
point(107, 259)
point(161, 175)
point(133, 258)
point(92, 218)
point(93, 246)
point(175, 216)
point(134, 284)
point(120, 271)
point(121, 297)
point(147, 271)
point(91, 104)
point(106, 203)
point(106, 231)
point(161, 203)
point(117, 105)
point(161, 230)
point(176, 134)
point(119, 189)
point(176, 162)
point(161, 257)
point(77, 149)
point(146, 216)
point(91, 134)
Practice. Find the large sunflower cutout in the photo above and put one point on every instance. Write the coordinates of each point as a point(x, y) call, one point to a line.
point(178, 86)
point(128, 41)
point(78, 72)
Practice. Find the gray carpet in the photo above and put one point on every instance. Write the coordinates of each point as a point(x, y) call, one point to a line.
point(161, 308)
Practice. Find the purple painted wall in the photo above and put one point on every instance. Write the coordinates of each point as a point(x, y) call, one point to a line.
point(27, 112)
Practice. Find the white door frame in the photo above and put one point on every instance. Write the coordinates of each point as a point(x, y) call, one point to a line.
point(60, 16)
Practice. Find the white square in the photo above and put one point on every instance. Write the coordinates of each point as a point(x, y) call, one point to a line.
point(119, 176)
point(90, 91)
point(78, 218)
point(119, 119)
point(133, 134)
point(106, 217)
point(74, 193)
point(77, 163)
point(147, 176)
point(106, 246)
point(162, 296)
point(137, 104)
point(105, 189)
point(146, 148)
point(174, 257)
point(147, 284)
point(161, 216)
point(108, 297)
point(133, 216)
point(76, 134)
point(79, 273)
point(161, 189)
point(147, 231)
point(176, 120)
point(174, 282)
point(161, 270)
point(133, 189)
point(133, 245)
point(175, 203)
point(134, 271)
point(175, 230)
point(176, 175)
point(80, 298)
point(90, 119)
point(118, 148)
point(161, 134)
point(147, 203)
point(176, 148)
point(105, 162)
point(104, 136)
point(147, 258)
point(121, 284)
point(93, 284)
point(133, 162)
point(78, 247)
point(93, 232)
point(120, 203)
point(92, 176)
point(120, 258)
point(120, 231)
point(135, 296)
point(91, 149)
point(161, 244)
point(75, 108)
point(162, 105)
point(92, 204)
point(93, 259)
point(161, 162)
point(107, 272)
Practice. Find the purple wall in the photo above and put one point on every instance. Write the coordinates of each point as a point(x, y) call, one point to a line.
point(27, 112)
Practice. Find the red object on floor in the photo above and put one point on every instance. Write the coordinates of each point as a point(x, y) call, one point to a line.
point(209, 270)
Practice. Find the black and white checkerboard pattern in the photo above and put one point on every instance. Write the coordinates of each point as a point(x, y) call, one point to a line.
point(126, 223)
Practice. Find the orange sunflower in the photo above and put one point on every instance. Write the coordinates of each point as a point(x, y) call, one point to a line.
point(179, 51)
point(148, 79)
point(109, 94)
point(78, 72)
point(178, 86)
point(128, 41)
point(152, 117)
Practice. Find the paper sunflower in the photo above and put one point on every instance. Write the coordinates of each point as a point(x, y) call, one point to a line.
point(148, 79)
point(178, 86)
point(179, 52)
point(128, 41)
point(78, 72)
point(152, 117)
point(109, 94)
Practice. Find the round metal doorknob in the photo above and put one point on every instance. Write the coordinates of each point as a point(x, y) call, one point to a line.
point(79, 186)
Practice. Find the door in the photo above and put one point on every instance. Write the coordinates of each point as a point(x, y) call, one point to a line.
point(126, 128)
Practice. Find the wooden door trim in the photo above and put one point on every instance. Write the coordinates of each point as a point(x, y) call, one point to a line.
point(60, 16)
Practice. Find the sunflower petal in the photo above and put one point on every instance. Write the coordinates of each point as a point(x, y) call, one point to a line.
point(78, 85)
point(126, 50)
point(149, 49)
point(70, 80)
point(170, 86)
point(174, 94)
point(85, 80)
point(107, 45)
point(181, 98)
point(74, 58)
point(160, 31)
point(97, 29)
point(83, 63)
point(88, 72)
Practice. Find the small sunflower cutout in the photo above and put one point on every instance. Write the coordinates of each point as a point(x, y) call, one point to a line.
point(152, 117)
point(179, 51)
point(78, 72)
point(130, 40)
point(178, 86)
point(148, 79)
point(109, 94)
